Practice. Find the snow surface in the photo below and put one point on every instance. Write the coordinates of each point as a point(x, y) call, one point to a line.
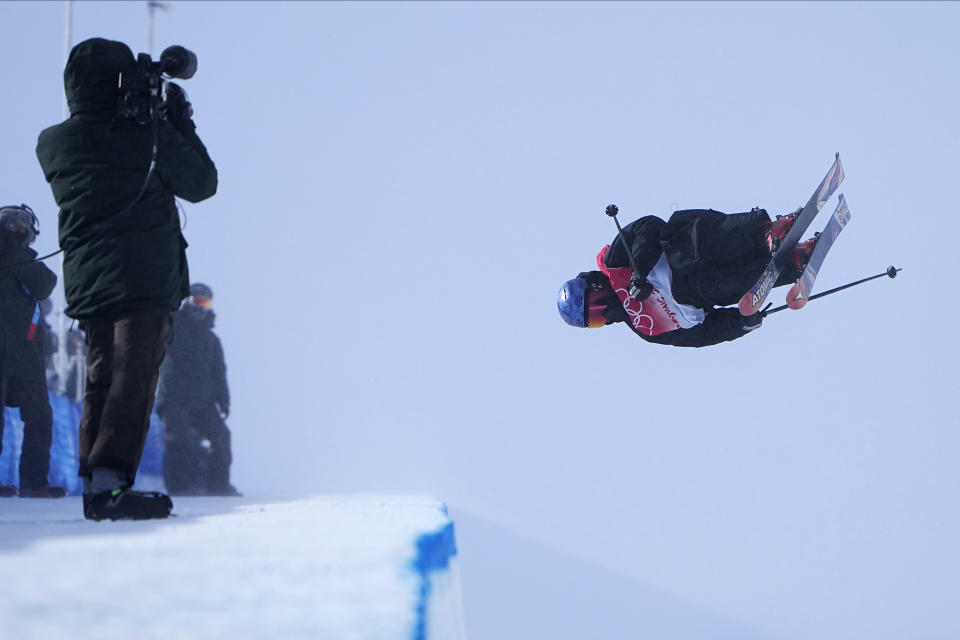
point(321, 567)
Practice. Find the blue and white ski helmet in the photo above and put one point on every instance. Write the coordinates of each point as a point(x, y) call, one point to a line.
point(571, 302)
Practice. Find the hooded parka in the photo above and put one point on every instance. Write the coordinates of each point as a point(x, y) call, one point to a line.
point(121, 254)
point(23, 283)
point(194, 373)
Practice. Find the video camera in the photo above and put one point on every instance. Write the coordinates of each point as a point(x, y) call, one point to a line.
point(142, 90)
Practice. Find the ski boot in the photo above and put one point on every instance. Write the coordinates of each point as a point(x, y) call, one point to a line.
point(7, 491)
point(126, 504)
point(779, 229)
point(799, 257)
point(801, 253)
point(797, 261)
point(46, 491)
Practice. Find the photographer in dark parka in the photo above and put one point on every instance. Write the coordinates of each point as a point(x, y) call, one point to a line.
point(124, 264)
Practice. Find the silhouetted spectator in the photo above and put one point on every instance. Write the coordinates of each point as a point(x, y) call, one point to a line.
point(193, 400)
point(23, 379)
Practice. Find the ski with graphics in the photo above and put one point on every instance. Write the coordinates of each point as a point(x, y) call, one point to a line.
point(800, 292)
point(751, 302)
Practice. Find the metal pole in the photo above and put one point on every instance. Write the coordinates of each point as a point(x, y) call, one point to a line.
point(612, 211)
point(67, 44)
point(891, 272)
point(150, 12)
point(152, 6)
point(60, 362)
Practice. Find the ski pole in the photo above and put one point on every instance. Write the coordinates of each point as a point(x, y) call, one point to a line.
point(612, 211)
point(891, 272)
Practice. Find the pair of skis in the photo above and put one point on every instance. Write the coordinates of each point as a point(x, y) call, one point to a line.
point(753, 300)
point(800, 292)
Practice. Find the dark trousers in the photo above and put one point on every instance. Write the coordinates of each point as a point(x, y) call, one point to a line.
point(716, 257)
point(31, 397)
point(123, 365)
point(189, 467)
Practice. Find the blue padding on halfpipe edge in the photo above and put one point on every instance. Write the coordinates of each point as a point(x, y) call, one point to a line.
point(434, 552)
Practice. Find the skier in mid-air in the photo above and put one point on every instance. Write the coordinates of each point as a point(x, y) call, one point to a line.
point(686, 267)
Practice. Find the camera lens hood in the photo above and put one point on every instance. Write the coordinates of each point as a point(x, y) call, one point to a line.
point(178, 62)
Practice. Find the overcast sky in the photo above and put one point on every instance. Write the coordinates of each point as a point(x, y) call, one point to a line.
point(405, 186)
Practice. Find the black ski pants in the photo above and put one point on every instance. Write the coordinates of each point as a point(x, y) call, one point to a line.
point(716, 257)
point(190, 466)
point(31, 397)
point(123, 365)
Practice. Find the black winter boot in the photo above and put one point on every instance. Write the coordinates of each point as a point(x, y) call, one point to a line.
point(46, 491)
point(126, 504)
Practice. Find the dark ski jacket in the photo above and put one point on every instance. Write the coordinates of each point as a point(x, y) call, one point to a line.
point(23, 284)
point(714, 259)
point(117, 260)
point(193, 373)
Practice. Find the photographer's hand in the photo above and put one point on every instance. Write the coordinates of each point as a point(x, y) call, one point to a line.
point(176, 108)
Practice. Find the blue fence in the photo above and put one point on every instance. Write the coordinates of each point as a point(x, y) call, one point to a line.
point(63, 449)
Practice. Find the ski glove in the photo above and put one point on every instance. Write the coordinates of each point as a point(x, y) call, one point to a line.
point(640, 289)
point(176, 108)
point(749, 323)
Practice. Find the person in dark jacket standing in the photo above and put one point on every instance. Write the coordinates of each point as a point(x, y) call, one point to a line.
point(24, 282)
point(690, 268)
point(193, 400)
point(124, 260)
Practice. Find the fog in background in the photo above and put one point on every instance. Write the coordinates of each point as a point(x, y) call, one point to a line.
point(405, 186)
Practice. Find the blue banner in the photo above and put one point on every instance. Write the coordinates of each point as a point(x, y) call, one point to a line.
point(63, 448)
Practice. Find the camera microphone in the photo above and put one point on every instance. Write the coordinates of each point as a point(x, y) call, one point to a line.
point(178, 62)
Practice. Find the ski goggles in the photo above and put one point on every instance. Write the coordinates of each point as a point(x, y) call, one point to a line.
point(595, 306)
point(199, 301)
